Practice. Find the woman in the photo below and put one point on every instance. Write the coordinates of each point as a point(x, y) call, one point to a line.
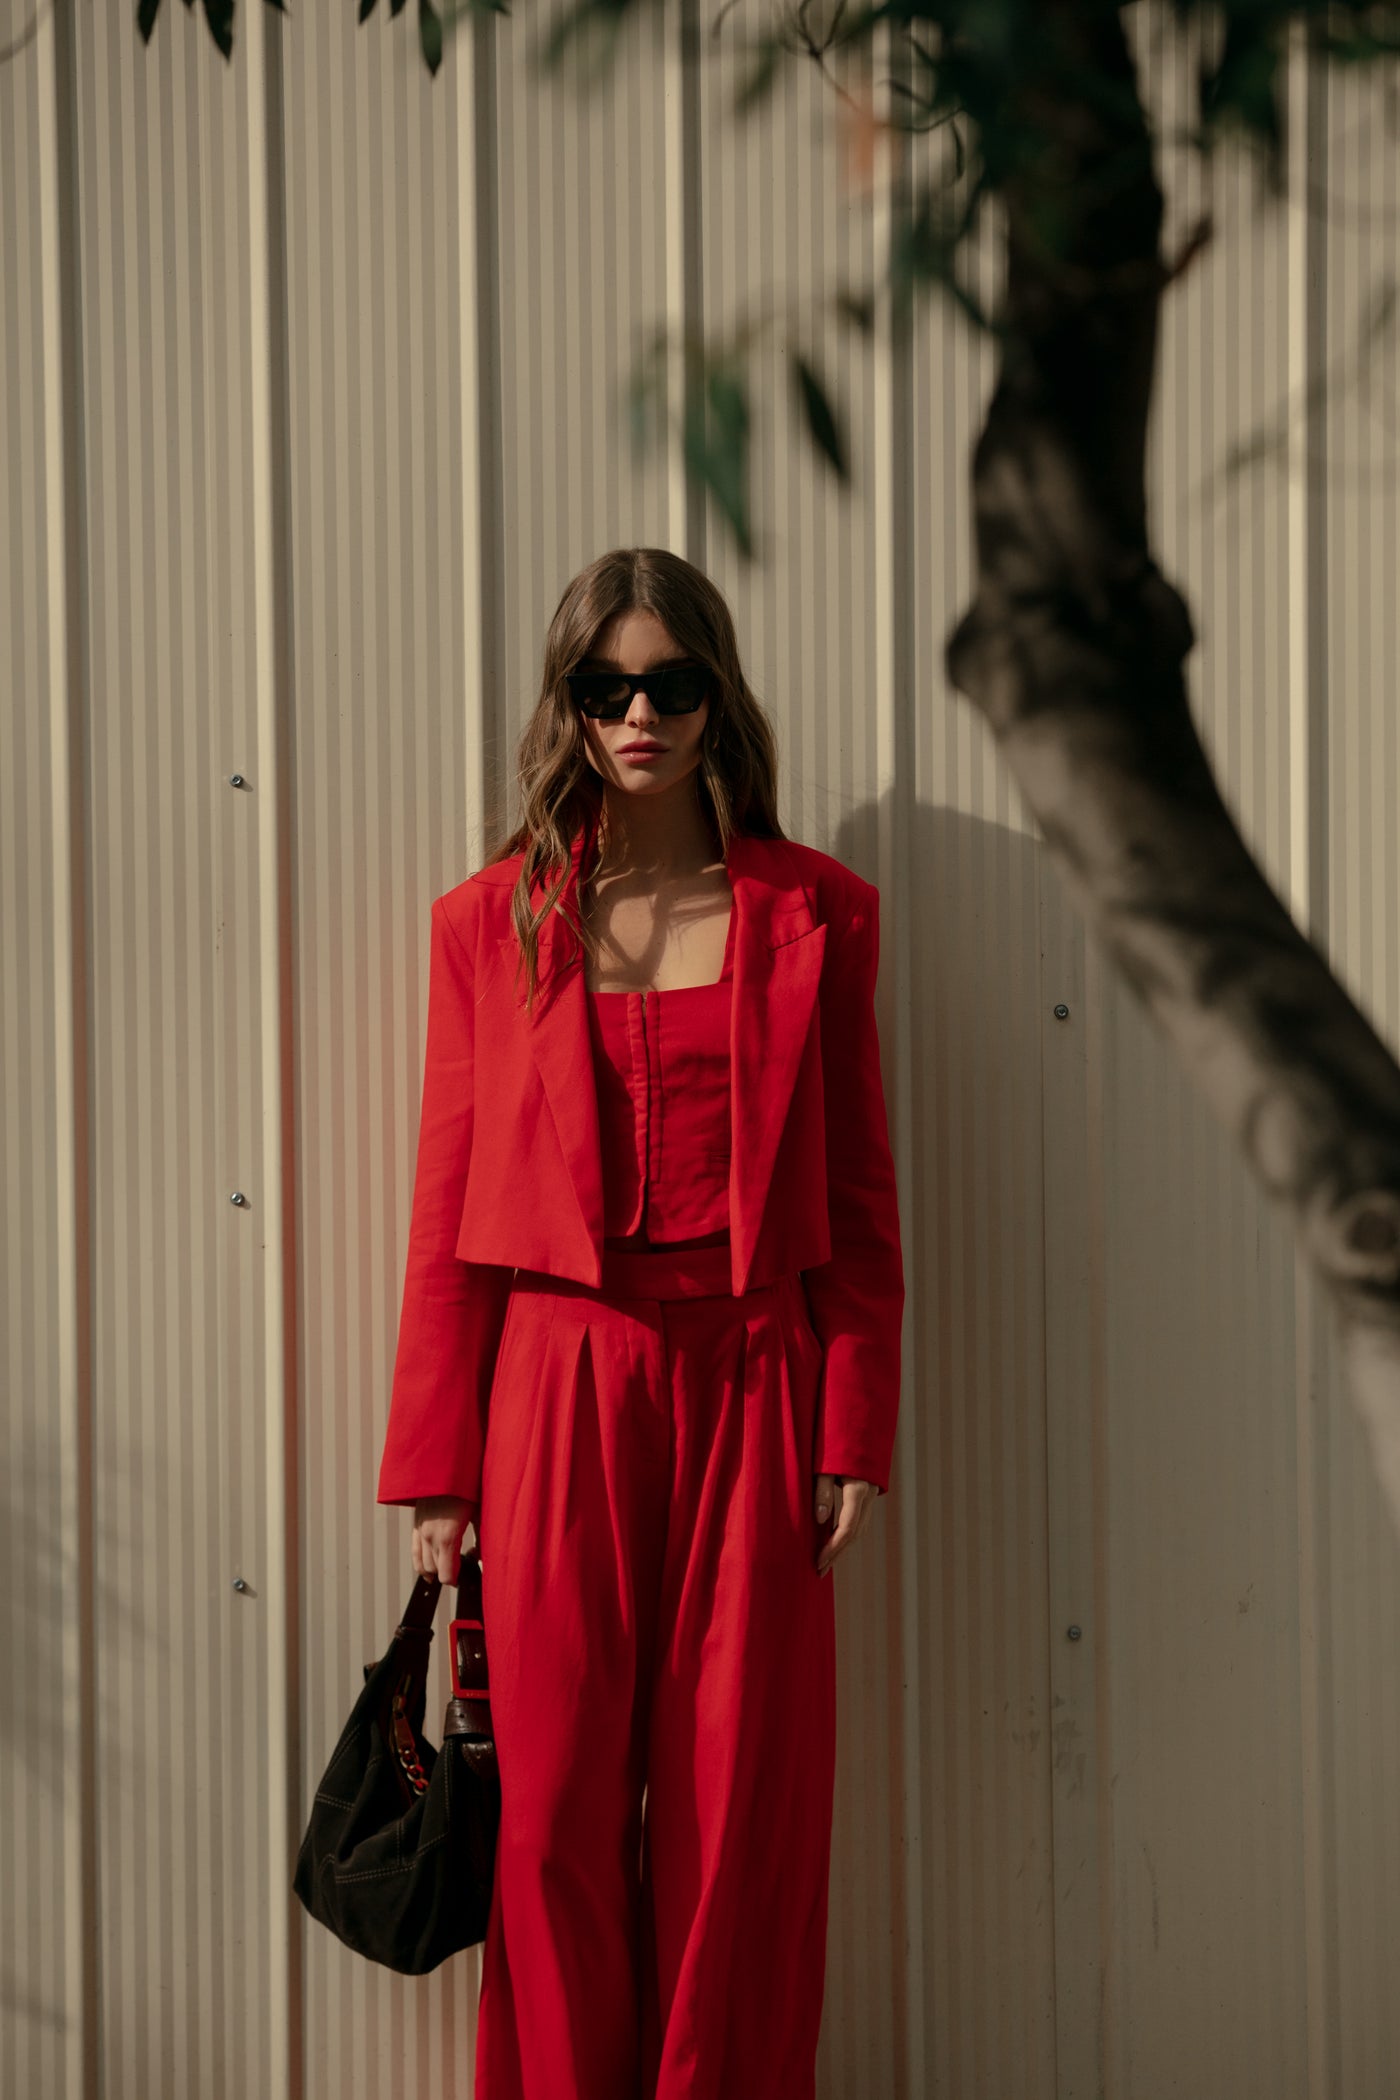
point(650, 1347)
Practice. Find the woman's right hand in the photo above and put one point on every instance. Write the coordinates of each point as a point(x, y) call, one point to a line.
point(438, 1526)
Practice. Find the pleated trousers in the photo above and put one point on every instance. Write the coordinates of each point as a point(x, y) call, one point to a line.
point(662, 1664)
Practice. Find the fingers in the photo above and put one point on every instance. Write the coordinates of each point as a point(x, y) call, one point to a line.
point(437, 1548)
point(826, 1498)
point(839, 1539)
point(855, 1500)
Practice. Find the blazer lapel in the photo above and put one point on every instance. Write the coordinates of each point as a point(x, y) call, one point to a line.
point(778, 948)
point(777, 964)
point(558, 1034)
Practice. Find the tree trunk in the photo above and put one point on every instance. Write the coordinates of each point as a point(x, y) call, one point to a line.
point(1073, 649)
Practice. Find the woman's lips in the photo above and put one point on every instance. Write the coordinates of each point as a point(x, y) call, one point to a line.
point(641, 757)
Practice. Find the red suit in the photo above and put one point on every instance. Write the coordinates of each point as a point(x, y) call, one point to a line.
point(652, 1290)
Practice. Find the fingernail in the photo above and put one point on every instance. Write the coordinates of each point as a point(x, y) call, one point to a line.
point(822, 1512)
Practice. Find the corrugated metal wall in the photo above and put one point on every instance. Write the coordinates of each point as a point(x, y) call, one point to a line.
point(311, 404)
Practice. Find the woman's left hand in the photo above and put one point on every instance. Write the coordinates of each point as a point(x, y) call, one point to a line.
point(853, 1501)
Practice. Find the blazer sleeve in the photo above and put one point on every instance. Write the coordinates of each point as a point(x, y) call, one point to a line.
point(452, 1311)
point(857, 1297)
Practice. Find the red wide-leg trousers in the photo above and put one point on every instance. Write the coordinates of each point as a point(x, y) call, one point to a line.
point(654, 1620)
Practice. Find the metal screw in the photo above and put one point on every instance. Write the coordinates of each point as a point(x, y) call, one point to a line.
point(236, 780)
point(1062, 1012)
point(239, 1583)
point(1075, 1634)
point(238, 1197)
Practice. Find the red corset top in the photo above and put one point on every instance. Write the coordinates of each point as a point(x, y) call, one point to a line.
point(661, 1065)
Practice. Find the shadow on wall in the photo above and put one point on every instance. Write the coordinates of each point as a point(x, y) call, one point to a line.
point(1101, 1393)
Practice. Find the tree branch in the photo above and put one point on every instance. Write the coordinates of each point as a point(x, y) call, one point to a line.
point(1073, 649)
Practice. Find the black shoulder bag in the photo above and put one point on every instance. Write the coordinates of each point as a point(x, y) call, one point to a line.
point(400, 1851)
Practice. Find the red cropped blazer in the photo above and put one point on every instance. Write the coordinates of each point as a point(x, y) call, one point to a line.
point(509, 1171)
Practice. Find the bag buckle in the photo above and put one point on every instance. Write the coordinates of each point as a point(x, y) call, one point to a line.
point(454, 1655)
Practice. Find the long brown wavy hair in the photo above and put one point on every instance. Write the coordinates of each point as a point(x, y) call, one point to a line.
point(560, 793)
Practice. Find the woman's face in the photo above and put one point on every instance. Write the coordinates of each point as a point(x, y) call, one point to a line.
point(638, 642)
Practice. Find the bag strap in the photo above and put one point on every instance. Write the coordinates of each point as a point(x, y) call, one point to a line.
point(469, 1709)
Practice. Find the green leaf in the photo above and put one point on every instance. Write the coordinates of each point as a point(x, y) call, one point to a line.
point(821, 418)
point(645, 395)
point(1355, 47)
point(759, 86)
point(729, 449)
point(716, 434)
point(924, 250)
point(430, 34)
point(1246, 90)
point(585, 35)
point(219, 15)
point(857, 307)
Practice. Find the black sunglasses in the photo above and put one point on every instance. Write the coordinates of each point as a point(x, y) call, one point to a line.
point(607, 695)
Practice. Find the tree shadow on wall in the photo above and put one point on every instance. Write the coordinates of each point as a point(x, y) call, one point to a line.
point(1100, 1374)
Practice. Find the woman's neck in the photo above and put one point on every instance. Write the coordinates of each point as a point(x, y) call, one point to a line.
point(660, 835)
